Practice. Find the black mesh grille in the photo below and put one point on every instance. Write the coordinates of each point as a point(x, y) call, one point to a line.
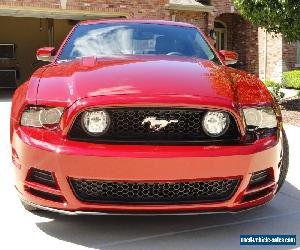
point(126, 126)
point(153, 192)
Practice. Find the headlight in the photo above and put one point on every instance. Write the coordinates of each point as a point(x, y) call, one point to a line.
point(215, 123)
point(39, 116)
point(95, 122)
point(260, 117)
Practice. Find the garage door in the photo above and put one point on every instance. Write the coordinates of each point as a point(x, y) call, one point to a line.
point(23, 31)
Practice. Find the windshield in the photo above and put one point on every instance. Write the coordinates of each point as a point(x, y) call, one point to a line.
point(115, 39)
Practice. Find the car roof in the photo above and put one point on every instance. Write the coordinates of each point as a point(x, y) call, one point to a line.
point(161, 22)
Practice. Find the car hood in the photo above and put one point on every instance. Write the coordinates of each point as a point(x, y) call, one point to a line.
point(139, 76)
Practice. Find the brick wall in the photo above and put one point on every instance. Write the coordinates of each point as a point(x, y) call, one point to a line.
point(151, 9)
point(220, 7)
point(281, 56)
point(148, 9)
point(242, 37)
point(289, 51)
point(275, 63)
point(196, 18)
point(138, 9)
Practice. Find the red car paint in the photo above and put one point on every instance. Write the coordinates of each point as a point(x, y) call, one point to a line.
point(139, 81)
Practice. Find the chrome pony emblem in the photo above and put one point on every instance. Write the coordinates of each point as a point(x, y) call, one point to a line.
point(157, 125)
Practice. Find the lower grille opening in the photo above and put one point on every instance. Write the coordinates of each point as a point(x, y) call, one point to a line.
point(45, 195)
point(257, 195)
point(153, 192)
point(42, 177)
point(260, 178)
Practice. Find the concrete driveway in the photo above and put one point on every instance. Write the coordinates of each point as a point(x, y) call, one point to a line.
point(23, 230)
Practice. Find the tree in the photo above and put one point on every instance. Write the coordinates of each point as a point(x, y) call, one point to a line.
point(278, 16)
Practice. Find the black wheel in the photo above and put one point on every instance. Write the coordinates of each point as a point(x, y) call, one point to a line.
point(29, 207)
point(285, 162)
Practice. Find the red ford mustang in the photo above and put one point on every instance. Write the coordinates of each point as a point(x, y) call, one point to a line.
point(144, 117)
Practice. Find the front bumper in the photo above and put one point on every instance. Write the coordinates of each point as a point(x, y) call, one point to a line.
point(142, 163)
point(120, 213)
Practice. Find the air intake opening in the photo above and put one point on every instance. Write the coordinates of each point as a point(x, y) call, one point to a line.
point(257, 195)
point(45, 195)
point(261, 184)
point(259, 178)
point(42, 177)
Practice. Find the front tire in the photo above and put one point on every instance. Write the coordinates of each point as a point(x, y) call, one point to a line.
point(285, 161)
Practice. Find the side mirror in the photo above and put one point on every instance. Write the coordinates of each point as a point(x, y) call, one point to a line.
point(229, 57)
point(45, 54)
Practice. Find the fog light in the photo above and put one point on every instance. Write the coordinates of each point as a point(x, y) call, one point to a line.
point(215, 123)
point(95, 122)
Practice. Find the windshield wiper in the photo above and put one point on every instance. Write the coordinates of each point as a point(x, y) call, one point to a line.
point(65, 60)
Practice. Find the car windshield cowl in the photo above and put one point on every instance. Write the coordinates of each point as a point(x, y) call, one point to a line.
point(125, 39)
point(145, 57)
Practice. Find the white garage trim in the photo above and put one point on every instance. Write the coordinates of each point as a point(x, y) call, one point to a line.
point(189, 5)
point(57, 13)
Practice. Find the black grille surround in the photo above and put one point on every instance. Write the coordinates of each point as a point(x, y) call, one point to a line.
point(126, 127)
point(98, 191)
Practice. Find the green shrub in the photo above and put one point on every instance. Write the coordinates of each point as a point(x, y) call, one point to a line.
point(269, 83)
point(291, 79)
point(276, 92)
